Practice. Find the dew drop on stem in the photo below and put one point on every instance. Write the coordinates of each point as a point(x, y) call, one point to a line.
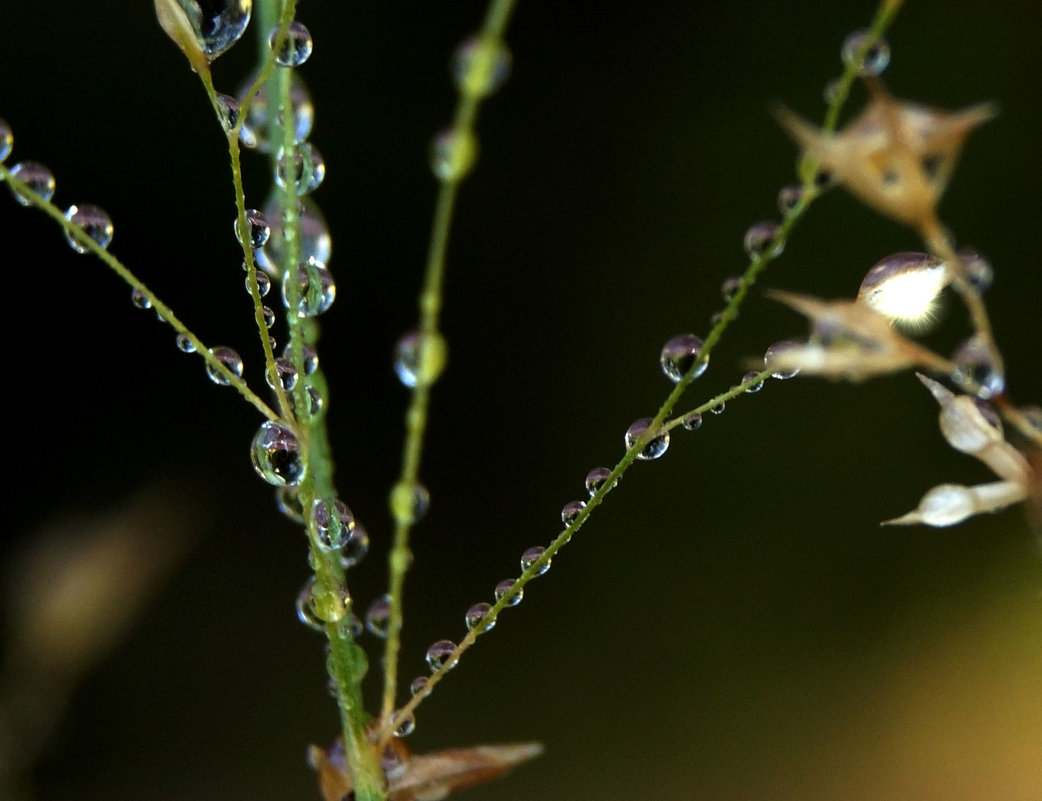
point(184, 343)
point(752, 387)
point(531, 556)
point(295, 49)
point(452, 155)
point(230, 358)
point(36, 177)
point(505, 590)
point(762, 239)
point(93, 221)
point(771, 355)
point(438, 655)
point(571, 511)
point(480, 66)
point(654, 447)
point(679, 355)
point(476, 614)
point(315, 289)
point(304, 171)
point(255, 131)
point(868, 57)
point(276, 456)
point(420, 358)
point(378, 616)
point(596, 479)
point(410, 501)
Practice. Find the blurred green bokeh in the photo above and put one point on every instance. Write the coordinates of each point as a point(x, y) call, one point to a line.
point(734, 624)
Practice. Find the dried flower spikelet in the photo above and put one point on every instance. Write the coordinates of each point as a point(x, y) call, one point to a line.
point(968, 429)
point(904, 288)
point(173, 18)
point(850, 340)
point(948, 504)
point(896, 157)
point(421, 777)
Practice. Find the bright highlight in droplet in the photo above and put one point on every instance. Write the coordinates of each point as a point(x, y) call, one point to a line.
point(905, 287)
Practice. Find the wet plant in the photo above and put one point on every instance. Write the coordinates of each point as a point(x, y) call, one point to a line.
point(896, 156)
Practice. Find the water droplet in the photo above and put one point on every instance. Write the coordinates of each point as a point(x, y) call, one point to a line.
point(6, 139)
point(692, 421)
point(531, 556)
point(719, 408)
point(831, 91)
point(268, 316)
point(789, 197)
point(653, 448)
point(184, 343)
point(439, 654)
point(314, 242)
point(905, 286)
point(406, 727)
point(286, 373)
point(256, 127)
point(505, 590)
point(419, 358)
point(315, 289)
point(872, 61)
point(263, 283)
point(409, 502)
point(216, 24)
point(355, 547)
point(275, 452)
point(976, 370)
point(571, 511)
point(453, 154)
point(93, 221)
point(752, 387)
point(596, 479)
point(977, 269)
point(679, 355)
point(763, 239)
point(140, 299)
point(417, 685)
point(476, 614)
point(309, 357)
point(480, 66)
point(287, 501)
point(230, 359)
point(36, 177)
point(773, 352)
point(305, 613)
point(295, 48)
point(332, 529)
point(728, 289)
point(378, 616)
point(716, 318)
point(324, 605)
point(304, 170)
point(258, 226)
point(227, 111)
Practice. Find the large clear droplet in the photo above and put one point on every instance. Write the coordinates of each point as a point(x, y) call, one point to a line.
point(439, 654)
point(406, 727)
point(257, 224)
point(418, 684)
point(315, 289)
point(304, 171)
point(905, 286)
point(217, 24)
point(453, 154)
point(976, 369)
point(295, 48)
point(230, 358)
point(419, 358)
point(531, 556)
point(692, 421)
point(334, 522)
point(227, 111)
point(480, 66)
point(596, 479)
point(773, 352)
point(378, 616)
point(309, 357)
point(6, 139)
point(679, 355)
point(476, 614)
point(654, 447)
point(505, 590)
point(36, 177)
point(571, 511)
point(873, 60)
point(355, 547)
point(324, 604)
point(409, 502)
point(276, 455)
point(93, 221)
point(314, 242)
point(256, 129)
point(184, 343)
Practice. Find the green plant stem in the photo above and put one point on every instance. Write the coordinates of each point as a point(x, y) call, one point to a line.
point(492, 29)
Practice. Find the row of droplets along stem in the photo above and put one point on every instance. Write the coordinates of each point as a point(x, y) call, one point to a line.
point(763, 243)
point(479, 67)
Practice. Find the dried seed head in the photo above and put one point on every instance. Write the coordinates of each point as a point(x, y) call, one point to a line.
point(948, 504)
point(896, 157)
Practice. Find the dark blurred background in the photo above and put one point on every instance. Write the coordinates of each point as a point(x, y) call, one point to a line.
point(734, 624)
